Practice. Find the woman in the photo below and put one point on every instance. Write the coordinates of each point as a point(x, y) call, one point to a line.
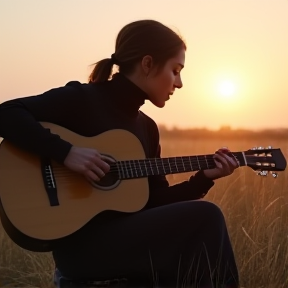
point(173, 239)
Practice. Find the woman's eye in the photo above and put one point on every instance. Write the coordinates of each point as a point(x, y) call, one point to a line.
point(176, 72)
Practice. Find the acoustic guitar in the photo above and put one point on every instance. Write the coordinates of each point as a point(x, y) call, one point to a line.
point(43, 202)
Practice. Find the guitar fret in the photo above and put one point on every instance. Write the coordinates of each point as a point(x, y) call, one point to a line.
point(145, 167)
point(198, 162)
point(161, 168)
point(131, 170)
point(191, 166)
point(152, 171)
point(120, 170)
point(176, 164)
point(140, 167)
point(123, 169)
point(157, 166)
point(162, 161)
point(188, 166)
point(206, 161)
point(135, 168)
point(169, 165)
point(127, 172)
point(184, 169)
point(148, 167)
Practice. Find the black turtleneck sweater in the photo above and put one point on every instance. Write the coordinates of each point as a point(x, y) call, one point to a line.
point(88, 110)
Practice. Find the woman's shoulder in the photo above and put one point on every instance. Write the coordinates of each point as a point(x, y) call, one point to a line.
point(152, 125)
point(87, 89)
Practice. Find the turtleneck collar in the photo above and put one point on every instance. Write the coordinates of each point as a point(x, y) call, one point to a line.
point(125, 95)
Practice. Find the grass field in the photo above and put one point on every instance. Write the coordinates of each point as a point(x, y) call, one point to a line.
point(255, 208)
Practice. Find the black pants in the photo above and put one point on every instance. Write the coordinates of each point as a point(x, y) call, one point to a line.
point(185, 242)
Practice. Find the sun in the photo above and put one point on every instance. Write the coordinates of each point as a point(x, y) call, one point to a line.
point(226, 89)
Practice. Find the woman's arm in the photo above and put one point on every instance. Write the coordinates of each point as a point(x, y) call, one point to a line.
point(19, 120)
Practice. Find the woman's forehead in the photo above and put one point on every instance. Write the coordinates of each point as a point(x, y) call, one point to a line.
point(179, 59)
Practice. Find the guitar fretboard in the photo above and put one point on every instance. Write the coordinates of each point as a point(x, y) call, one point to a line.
point(163, 166)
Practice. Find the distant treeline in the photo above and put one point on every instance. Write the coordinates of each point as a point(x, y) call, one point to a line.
point(223, 133)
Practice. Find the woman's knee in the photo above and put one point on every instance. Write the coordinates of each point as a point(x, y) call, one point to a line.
point(212, 209)
point(207, 211)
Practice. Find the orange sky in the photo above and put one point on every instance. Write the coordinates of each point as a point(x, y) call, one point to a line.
point(47, 43)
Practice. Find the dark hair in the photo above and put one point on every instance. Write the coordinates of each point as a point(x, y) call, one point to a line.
point(134, 41)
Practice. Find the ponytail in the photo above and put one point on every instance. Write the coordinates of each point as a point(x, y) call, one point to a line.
point(102, 71)
point(133, 42)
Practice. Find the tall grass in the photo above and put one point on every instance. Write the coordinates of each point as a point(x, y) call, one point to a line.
point(256, 212)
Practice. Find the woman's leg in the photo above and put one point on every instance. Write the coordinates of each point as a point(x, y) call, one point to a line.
point(184, 242)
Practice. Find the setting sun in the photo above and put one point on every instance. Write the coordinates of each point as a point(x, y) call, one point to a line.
point(226, 89)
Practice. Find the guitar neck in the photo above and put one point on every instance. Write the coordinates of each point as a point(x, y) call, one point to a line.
point(129, 169)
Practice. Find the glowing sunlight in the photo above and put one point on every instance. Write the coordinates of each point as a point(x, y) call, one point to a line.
point(226, 89)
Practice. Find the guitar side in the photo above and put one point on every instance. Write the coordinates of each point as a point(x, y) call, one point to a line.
point(26, 210)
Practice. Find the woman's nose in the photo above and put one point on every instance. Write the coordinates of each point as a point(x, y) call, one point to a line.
point(178, 83)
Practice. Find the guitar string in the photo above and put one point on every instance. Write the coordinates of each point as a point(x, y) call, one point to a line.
point(165, 162)
point(147, 163)
point(143, 167)
point(182, 160)
point(150, 164)
point(162, 164)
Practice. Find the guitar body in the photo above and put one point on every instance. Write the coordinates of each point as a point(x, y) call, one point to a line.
point(42, 202)
point(28, 216)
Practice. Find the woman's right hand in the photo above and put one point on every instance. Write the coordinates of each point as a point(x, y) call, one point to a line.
point(88, 162)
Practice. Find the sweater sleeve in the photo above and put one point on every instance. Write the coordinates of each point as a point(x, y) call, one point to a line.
point(19, 120)
point(161, 193)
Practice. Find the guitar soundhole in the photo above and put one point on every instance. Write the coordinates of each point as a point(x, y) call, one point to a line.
point(108, 182)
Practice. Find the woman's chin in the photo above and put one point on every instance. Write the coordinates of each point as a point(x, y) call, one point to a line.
point(160, 104)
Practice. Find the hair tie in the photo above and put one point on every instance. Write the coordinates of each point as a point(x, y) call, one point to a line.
point(114, 60)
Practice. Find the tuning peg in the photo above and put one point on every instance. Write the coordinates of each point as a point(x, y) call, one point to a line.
point(262, 173)
point(274, 174)
point(269, 147)
point(260, 148)
point(254, 148)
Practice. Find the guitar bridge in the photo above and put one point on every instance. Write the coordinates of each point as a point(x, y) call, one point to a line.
point(49, 181)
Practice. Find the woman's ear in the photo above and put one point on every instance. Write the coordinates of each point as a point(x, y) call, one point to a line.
point(147, 64)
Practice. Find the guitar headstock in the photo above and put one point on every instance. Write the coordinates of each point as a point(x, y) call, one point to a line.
point(265, 160)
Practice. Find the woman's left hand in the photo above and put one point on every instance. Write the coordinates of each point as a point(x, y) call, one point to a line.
point(225, 164)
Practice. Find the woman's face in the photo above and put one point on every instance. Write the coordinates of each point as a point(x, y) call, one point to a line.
point(161, 84)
